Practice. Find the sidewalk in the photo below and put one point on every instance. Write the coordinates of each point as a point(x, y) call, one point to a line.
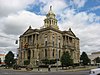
point(59, 69)
point(55, 69)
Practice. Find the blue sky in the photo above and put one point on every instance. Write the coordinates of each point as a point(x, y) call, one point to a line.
point(89, 6)
point(82, 16)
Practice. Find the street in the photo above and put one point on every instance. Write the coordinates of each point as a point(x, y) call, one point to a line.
point(15, 72)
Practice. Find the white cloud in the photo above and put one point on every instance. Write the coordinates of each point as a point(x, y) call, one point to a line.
point(97, 7)
point(79, 3)
point(85, 26)
point(12, 6)
point(17, 23)
point(94, 8)
point(58, 5)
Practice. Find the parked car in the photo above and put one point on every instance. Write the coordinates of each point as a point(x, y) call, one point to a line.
point(94, 71)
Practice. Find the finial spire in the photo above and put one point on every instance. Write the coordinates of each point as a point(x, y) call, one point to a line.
point(69, 29)
point(30, 27)
point(50, 8)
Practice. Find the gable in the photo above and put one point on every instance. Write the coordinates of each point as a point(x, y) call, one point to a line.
point(28, 31)
point(71, 33)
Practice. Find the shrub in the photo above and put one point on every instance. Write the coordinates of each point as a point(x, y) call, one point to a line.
point(26, 62)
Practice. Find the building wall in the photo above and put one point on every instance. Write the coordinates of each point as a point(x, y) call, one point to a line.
point(2, 57)
point(93, 56)
point(41, 46)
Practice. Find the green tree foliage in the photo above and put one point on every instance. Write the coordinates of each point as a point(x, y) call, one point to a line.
point(97, 59)
point(9, 59)
point(84, 59)
point(26, 62)
point(66, 60)
point(47, 61)
point(0, 60)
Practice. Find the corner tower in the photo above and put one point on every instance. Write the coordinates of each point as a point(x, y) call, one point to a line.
point(50, 20)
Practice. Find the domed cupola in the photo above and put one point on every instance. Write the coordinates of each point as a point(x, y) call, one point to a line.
point(50, 19)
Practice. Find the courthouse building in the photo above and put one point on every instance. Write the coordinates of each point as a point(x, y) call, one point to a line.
point(48, 42)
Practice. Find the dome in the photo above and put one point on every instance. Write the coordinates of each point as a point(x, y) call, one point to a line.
point(50, 12)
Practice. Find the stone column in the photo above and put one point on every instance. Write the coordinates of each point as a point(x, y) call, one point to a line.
point(22, 55)
point(22, 58)
point(19, 56)
point(36, 53)
point(38, 57)
point(73, 40)
point(75, 44)
point(73, 55)
point(56, 40)
point(35, 40)
point(32, 40)
point(50, 40)
point(26, 39)
point(25, 55)
point(31, 56)
point(68, 41)
point(31, 53)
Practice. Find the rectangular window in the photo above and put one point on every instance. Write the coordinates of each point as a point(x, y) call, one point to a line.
point(45, 43)
point(53, 53)
point(53, 43)
point(45, 53)
point(59, 53)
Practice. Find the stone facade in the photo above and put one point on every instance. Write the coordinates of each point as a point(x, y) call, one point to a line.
point(48, 42)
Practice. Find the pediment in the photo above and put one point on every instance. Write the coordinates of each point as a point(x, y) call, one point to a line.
point(71, 33)
point(28, 31)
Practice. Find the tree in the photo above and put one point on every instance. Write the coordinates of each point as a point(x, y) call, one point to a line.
point(26, 62)
point(9, 59)
point(66, 60)
point(84, 59)
point(0, 60)
point(97, 59)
